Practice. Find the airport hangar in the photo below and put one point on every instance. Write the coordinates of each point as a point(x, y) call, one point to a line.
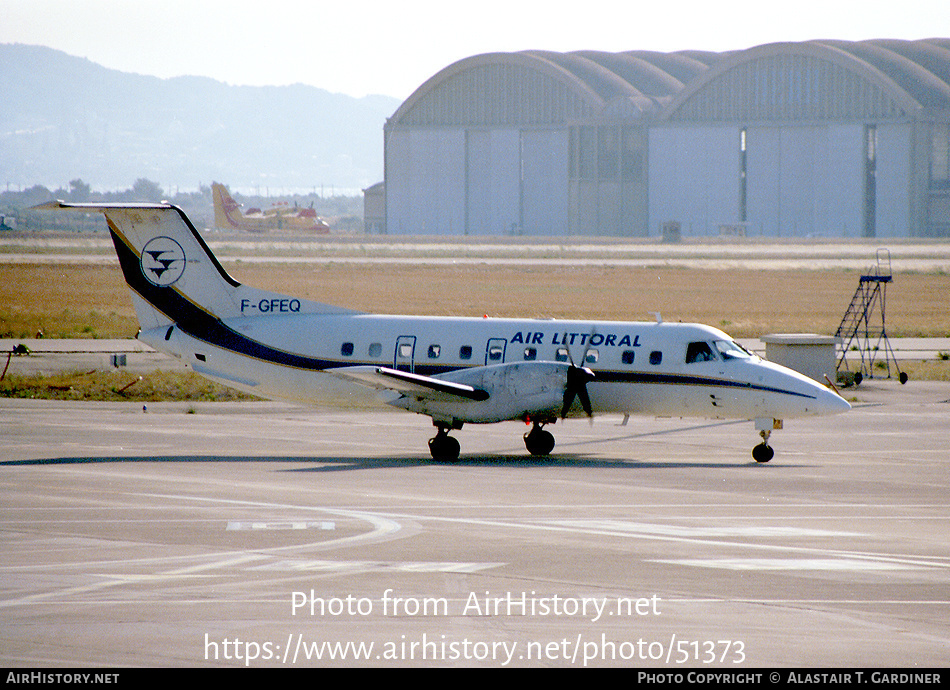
point(821, 138)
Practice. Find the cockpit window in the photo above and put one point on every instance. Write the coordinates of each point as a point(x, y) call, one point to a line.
point(731, 350)
point(699, 352)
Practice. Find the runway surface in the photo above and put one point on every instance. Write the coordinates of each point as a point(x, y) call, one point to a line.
point(260, 534)
point(696, 252)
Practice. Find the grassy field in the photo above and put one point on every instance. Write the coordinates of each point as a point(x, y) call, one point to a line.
point(92, 301)
point(118, 386)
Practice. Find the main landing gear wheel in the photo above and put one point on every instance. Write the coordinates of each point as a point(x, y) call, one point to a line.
point(444, 447)
point(538, 441)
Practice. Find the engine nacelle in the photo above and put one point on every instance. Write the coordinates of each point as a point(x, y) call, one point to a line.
point(515, 391)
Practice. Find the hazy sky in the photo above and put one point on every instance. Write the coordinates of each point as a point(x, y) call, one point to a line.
point(391, 47)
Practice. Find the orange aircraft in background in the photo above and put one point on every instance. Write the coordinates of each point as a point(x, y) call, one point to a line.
point(228, 215)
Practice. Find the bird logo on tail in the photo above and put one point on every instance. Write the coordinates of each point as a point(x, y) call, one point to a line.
point(163, 261)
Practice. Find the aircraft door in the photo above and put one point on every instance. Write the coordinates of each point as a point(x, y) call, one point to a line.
point(404, 356)
point(495, 351)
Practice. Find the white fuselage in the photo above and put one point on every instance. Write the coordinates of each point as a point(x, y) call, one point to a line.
point(638, 368)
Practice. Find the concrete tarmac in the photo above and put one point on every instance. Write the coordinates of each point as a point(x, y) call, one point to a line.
point(262, 534)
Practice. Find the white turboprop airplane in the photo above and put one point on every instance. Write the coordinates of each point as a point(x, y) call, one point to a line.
point(455, 370)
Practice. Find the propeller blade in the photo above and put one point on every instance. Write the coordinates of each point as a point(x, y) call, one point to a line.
point(568, 401)
point(585, 399)
point(576, 387)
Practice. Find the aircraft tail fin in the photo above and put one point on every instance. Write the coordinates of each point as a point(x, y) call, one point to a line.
point(175, 278)
point(227, 212)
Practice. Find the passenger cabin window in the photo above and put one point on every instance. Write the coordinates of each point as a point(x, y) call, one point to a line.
point(628, 356)
point(495, 353)
point(375, 349)
point(346, 349)
point(699, 352)
point(591, 357)
point(465, 352)
point(561, 355)
point(530, 353)
point(656, 357)
point(435, 351)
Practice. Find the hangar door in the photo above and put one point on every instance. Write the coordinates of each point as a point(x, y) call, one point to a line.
point(493, 179)
point(806, 180)
point(544, 182)
point(425, 182)
point(516, 182)
point(694, 178)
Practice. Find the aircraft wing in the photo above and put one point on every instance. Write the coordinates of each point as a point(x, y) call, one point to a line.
point(483, 394)
point(415, 385)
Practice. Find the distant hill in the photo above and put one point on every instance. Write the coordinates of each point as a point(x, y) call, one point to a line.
point(63, 118)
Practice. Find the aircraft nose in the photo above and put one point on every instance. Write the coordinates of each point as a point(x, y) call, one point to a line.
point(830, 402)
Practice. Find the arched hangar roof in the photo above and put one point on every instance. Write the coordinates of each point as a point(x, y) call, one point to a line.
point(821, 79)
point(544, 87)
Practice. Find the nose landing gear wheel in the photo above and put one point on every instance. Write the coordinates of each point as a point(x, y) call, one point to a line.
point(763, 453)
point(538, 441)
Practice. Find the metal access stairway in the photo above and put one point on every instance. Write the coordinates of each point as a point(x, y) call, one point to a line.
point(862, 330)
